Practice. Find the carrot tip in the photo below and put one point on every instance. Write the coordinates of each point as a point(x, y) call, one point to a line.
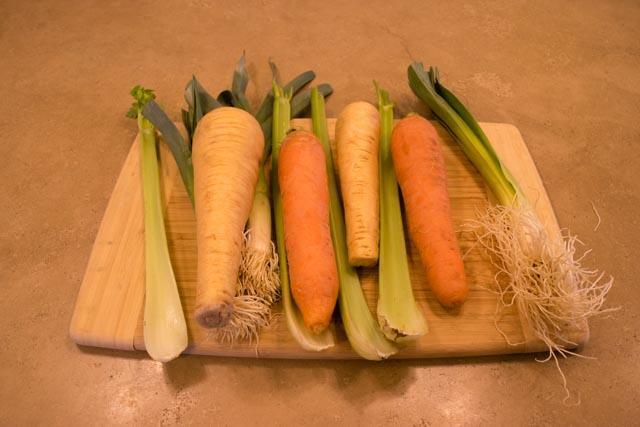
point(453, 303)
point(214, 315)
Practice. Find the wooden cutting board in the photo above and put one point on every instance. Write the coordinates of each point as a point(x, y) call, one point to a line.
point(108, 311)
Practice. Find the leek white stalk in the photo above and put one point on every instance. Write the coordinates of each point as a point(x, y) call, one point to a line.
point(307, 339)
point(165, 329)
point(398, 312)
point(363, 332)
point(259, 267)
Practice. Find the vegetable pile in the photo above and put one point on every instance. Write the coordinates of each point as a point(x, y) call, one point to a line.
point(336, 206)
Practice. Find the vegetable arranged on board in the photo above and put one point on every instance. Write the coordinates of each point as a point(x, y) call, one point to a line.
point(302, 175)
point(363, 332)
point(258, 284)
point(399, 315)
point(227, 151)
point(308, 339)
point(545, 278)
point(419, 165)
point(224, 163)
point(165, 329)
point(357, 141)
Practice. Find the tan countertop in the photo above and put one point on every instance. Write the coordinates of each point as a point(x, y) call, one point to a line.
point(566, 76)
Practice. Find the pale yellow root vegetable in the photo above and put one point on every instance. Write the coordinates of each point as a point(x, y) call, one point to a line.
point(357, 146)
point(227, 149)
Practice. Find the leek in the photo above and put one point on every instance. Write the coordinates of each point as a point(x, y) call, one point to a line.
point(299, 104)
point(281, 123)
point(398, 312)
point(174, 140)
point(465, 130)
point(554, 293)
point(266, 108)
point(165, 330)
point(200, 102)
point(363, 332)
point(239, 85)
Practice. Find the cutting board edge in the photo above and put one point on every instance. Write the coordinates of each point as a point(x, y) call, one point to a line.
point(498, 350)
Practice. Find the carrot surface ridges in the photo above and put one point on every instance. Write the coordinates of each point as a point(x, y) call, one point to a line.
point(305, 196)
point(357, 145)
point(419, 164)
point(227, 148)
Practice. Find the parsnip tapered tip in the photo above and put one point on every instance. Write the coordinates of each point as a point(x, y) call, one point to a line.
point(214, 315)
point(363, 261)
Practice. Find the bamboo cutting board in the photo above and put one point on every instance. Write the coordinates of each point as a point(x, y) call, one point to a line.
point(108, 311)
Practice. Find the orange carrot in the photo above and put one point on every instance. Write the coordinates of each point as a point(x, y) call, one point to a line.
point(302, 176)
point(419, 165)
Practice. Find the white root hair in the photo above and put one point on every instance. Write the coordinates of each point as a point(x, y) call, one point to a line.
point(259, 270)
point(250, 313)
point(544, 278)
point(595, 211)
point(257, 289)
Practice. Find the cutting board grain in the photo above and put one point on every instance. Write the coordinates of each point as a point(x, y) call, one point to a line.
point(108, 311)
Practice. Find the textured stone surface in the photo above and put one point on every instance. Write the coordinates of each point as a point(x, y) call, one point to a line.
point(565, 75)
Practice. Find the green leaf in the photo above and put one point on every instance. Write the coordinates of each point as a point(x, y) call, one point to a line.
point(275, 73)
point(457, 119)
point(302, 100)
point(200, 102)
point(239, 85)
point(142, 96)
point(266, 108)
point(174, 140)
point(186, 121)
point(299, 106)
point(240, 76)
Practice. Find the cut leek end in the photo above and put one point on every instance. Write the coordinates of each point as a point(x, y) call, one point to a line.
point(369, 352)
point(307, 339)
point(159, 347)
point(164, 329)
point(402, 327)
point(295, 323)
point(380, 351)
point(365, 337)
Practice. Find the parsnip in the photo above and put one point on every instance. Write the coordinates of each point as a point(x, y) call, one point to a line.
point(227, 148)
point(357, 146)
